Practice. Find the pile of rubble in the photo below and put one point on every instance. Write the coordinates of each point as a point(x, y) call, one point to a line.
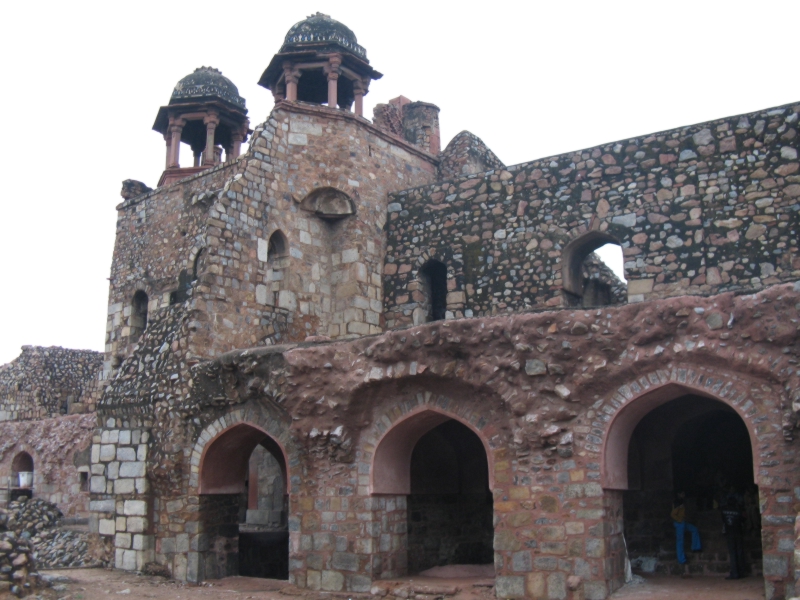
point(37, 521)
point(17, 567)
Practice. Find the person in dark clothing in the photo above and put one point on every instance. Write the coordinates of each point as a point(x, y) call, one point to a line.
point(732, 509)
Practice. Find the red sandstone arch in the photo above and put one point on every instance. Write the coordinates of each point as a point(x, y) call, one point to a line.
point(225, 460)
point(391, 462)
point(614, 466)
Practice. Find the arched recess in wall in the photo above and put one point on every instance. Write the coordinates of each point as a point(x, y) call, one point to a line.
point(329, 203)
point(22, 471)
point(435, 460)
point(616, 449)
point(187, 277)
point(587, 280)
point(679, 439)
point(230, 471)
point(138, 318)
point(433, 277)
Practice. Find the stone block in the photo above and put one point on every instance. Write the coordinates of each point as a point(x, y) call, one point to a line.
point(775, 565)
point(124, 486)
point(136, 524)
point(332, 581)
point(345, 561)
point(126, 453)
point(135, 508)
point(107, 452)
point(556, 586)
point(97, 485)
point(107, 527)
point(102, 505)
point(510, 586)
point(640, 286)
point(595, 590)
point(132, 469)
point(122, 540)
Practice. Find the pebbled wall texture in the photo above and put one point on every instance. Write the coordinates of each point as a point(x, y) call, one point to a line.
point(697, 210)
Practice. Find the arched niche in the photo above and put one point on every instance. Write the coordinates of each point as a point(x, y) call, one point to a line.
point(579, 291)
point(329, 203)
point(615, 468)
point(391, 463)
point(22, 463)
point(225, 462)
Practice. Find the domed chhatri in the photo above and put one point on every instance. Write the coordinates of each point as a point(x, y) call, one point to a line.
point(320, 28)
point(320, 62)
point(206, 82)
point(206, 113)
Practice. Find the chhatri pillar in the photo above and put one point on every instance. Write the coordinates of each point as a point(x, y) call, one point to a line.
point(207, 113)
point(320, 62)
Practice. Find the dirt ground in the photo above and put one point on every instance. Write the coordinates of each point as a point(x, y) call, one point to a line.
point(107, 584)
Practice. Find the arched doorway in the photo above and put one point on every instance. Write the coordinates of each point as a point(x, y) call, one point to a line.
point(244, 504)
point(440, 467)
point(677, 440)
point(21, 476)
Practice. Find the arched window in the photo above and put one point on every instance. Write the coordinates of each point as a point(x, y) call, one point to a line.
point(329, 203)
point(592, 271)
point(433, 276)
point(277, 247)
point(138, 319)
point(197, 266)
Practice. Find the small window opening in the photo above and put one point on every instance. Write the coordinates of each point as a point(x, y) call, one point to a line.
point(277, 248)
point(138, 319)
point(434, 281)
point(22, 471)
point(593, 272)
point(84, 481)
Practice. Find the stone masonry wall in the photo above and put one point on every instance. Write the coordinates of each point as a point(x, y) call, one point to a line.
point(543, 391)
point(60, 451)
point(697, 210)
point(46, 382)
point(329, 282)
point(159, 237)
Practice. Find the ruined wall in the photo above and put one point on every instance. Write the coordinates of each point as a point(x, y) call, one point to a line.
point(46, 382)
point(60, 451)
point(543, 391)
point(697, 210)
point(466, 154)
point(159, 237)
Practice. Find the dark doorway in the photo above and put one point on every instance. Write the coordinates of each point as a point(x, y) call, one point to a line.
point(699, 446)
point(450, 508)
point(434, 281)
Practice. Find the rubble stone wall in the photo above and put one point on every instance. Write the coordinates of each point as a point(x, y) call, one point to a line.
point(49, 381)
point(60, 450)
point(544, 391)
point(697, 210)
point(160, 236)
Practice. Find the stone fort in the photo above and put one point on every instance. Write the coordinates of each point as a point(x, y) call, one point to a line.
point(346, 355)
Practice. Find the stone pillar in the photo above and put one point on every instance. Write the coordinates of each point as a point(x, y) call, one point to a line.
point(332, 71)
point(175, 130)
point(198, 155)
point(168, 140)
point(211, 122)
point(359, 89)
point(291, 76)
point(236, 146)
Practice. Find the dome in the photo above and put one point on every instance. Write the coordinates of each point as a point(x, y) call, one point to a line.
point(206, 82)
point(321, 28)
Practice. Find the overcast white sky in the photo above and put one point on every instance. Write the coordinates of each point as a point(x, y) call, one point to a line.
point(83, 81)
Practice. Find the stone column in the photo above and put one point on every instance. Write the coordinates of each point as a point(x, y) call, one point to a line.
point(360, 88)
point(175, 130)
point(236, 145)
point(211, 122)
point(168, 140)
point(332, 71)
point(291, 76)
